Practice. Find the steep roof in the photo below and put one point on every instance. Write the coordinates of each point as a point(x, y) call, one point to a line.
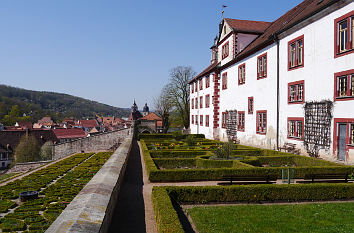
point(206, 71)
point(294, 16)
point(12, 137)
point(88, 123)
point(151, 117)
point(69, 133)
point(257, 27)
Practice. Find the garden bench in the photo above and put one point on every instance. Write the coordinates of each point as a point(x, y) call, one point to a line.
point(264, 179)
point(327, 177)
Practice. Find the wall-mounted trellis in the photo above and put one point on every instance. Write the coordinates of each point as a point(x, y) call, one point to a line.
point(317, 134)
point(231, 124)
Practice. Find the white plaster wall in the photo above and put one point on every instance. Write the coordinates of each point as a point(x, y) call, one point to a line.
point(263, 92)
point(207, 131)
point(231, 40)
point(318, 72)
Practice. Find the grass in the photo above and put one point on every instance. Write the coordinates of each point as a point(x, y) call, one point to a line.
point(324, 217)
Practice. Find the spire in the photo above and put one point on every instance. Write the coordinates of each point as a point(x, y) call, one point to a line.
point(134, 107)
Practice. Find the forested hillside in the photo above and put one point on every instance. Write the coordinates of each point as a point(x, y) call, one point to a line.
point(37, 104)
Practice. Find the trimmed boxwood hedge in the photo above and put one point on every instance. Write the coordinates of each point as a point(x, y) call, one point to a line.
point(324, 167)
point(174, 163)
point(167, 218)
point(176, 154)
point(164, 136)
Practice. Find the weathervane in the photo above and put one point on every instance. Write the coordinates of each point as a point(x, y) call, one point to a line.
point(222, 10)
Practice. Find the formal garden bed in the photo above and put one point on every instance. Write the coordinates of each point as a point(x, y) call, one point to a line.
point(192, 158)
point(57, 185)
point(167, 203)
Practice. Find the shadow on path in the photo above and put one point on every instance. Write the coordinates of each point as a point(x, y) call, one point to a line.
point(129, 213)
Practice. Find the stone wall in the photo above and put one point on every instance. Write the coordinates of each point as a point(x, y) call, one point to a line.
point(91, 210)
point(98, 142)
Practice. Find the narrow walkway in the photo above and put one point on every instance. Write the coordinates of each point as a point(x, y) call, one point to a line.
point(129, 213)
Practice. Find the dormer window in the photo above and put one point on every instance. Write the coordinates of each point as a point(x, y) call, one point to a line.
point(224, 29)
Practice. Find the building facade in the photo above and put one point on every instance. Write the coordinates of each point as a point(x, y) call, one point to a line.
point(289, 81)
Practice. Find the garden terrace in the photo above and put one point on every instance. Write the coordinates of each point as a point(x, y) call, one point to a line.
point(169, 159)
point(58, 184)
point(167, 202)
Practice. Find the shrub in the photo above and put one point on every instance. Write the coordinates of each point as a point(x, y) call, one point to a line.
point(46, 151)
point(27, 150)
point(190, 140)
point(175, 163)
point(224, 152)
point(11, 224)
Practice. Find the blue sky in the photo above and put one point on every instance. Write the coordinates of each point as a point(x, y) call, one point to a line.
point(113, 51)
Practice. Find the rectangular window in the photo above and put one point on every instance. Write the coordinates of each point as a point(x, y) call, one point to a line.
point(225, 50)
point(296, 53)
point(261, 122)
point(223, 120)
point(195, 86)
point(296, 92)
point(344, 32)
point(201, 84)
point(192, 88)
point(201, 120)
point(192, 104)
point(196, 119)
point(262, 66)
point(207, 81)
point(296, 128)
point(241, 74)
point(196, 103)
point(241, 121)
point(207, 101)
point(192, 119)
point(201, 102)
point(224, 81)
point(351, 139)
point(344, 85)
point(206, 120)
point(250, 105)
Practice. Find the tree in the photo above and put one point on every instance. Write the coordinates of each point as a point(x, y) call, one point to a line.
point(46, 151)
point(163, 108)
point(178, 91)
point(27, 150)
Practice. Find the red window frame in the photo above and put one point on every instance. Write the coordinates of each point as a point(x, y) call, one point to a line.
point(349, 37)
point(250, 107)
point(207, 101)
point(349, 76)
point(201, 120)
point(261, 126)
point(201, 102)
point(242, 74)
point(296, 135)
point(296, 43)
point(196, 103)
point(192, 88)
point(206, 120)
point(196, 119)
point(195, 86)
point(192, 119)
point(224, 81)
point(225, 50)
point(297, 86)
point(349, 137)
point(241, 121)
point(207, 81)
point(201, 84)
point(262, 73)
point(223, 120)
point(192, 104)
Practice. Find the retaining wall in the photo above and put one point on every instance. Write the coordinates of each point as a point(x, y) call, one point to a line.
point(92, 209)
point(99, 142)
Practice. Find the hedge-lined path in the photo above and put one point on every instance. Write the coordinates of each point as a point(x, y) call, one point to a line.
point(129, 213)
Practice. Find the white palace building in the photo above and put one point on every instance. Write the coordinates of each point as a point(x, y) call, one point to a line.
point(288, 81)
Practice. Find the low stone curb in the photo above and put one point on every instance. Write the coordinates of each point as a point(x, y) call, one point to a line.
point(92, 209)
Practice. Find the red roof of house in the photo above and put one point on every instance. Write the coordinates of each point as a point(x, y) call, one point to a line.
point(206, 71)
point(151, 117)
point(25, 124)
point(45, 121)
point(88, 123)
point(69, 133)
point(257, 27)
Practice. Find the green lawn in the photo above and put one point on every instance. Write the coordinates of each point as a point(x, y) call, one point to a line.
point(329, 217)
